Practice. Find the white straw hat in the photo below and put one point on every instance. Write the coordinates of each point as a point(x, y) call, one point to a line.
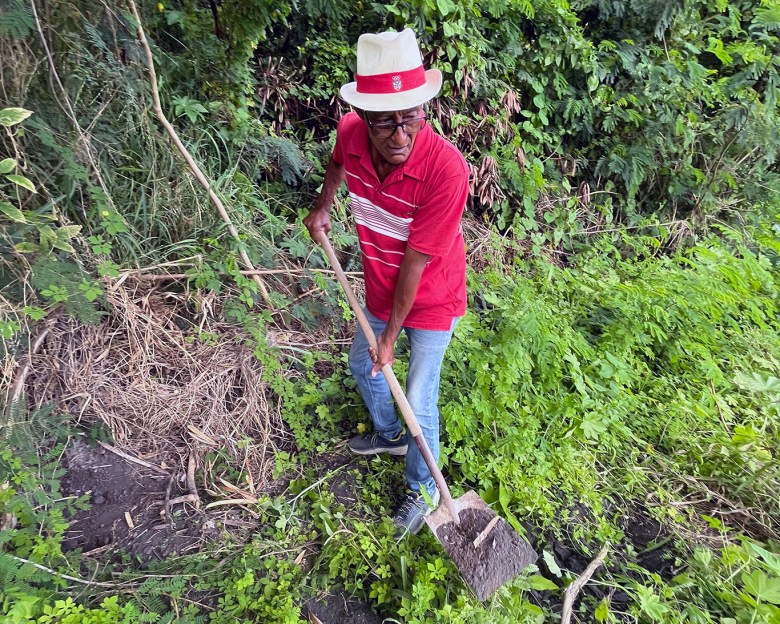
point(390, 75)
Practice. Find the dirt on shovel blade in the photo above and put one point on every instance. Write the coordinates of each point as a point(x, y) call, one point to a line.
point(498, 559)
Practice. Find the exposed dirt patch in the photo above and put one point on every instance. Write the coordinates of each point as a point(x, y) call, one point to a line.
point(498, 559)
point(339, 469)
point(341, 609)
point(344, 488)
point(646, 543)
point(650, 543)
point(122, 494)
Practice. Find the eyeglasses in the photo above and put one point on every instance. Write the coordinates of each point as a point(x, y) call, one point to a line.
point(386, 129)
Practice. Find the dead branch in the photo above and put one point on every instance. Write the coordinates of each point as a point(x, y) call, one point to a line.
point(19, 383)
point(177, 276)
point(204, 182)
point(64, 576)
point(572, 590)
point(167, 505)
point(240, 502)
point(187, 498)
point(191, 463)
point(486, 531)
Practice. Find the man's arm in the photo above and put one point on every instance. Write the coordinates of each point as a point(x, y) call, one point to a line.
point(318, 218)
point(405, 292)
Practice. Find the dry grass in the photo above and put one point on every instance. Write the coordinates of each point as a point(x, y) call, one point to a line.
point(487, 249)
point(159, 388)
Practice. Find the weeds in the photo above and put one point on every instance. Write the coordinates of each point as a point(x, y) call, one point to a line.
point(569, 393)
point(641, 372)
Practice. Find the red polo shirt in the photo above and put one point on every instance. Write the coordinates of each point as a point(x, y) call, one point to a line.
point(419, 204)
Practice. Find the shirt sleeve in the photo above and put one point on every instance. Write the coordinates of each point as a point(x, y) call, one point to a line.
point(436, 224)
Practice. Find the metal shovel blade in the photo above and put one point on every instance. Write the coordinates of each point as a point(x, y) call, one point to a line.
point(500, 554)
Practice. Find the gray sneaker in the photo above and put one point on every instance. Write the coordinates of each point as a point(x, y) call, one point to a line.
point(411, 513)
point(374, 443)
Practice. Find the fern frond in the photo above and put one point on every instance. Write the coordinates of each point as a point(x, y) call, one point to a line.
point(9, 568)
point(154, 617)
point(155, 604)
point(292, 163)
point(768, 17)
point(23, 431)
point(97, 40)
point(17, 20)
point(665, 19)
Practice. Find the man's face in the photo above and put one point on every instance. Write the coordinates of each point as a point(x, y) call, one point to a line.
point(396, 148)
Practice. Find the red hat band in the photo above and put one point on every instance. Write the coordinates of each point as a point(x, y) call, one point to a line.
point(393, 82)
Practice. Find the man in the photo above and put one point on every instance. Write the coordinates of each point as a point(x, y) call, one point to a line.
point(408, 188)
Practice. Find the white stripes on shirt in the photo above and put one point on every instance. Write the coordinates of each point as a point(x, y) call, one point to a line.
point(378, 220)
point(387, 251)
point(392, 264)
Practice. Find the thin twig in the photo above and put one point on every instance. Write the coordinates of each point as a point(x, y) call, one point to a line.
point(176, 276)
point(167, 505)
point(71, 114)
point(204, 182)
point(572, 590)
point(717, 404)
point(64, 576)
point(130, 458)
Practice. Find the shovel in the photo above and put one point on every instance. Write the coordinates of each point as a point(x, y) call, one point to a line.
point(486, 549)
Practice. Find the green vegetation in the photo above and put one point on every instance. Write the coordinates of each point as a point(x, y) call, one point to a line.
point(618, 366)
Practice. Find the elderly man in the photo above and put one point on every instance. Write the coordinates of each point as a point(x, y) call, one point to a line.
point(408, 188)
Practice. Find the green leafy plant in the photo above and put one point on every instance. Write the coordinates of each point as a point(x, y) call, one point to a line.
point(185, 106)
point(12, 207)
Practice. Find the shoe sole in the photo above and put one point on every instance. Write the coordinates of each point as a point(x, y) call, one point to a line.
point(395, 450)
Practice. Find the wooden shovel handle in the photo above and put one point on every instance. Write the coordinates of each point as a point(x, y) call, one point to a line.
point(395, 387)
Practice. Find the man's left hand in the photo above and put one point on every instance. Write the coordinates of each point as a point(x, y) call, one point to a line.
point(383, 353)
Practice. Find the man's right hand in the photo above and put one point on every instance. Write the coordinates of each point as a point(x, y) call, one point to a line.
point(318, 220)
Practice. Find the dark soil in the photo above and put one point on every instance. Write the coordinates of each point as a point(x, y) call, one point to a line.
point(646, 543)
point(498, 559)
point(339, 470)
point(344, 487)
point(341, 609)
point(119, 490)
point(650, 543)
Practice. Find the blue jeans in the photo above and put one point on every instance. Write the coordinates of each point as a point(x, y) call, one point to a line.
point(427, 349)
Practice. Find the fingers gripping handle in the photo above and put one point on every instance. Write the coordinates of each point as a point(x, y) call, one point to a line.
point(387, 371)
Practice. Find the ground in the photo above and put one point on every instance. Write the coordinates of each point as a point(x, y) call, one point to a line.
point(126, 508)
point(341, 608)
point(126, 514)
